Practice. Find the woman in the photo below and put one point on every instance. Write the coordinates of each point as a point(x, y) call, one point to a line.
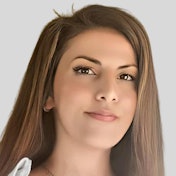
point(88, 104)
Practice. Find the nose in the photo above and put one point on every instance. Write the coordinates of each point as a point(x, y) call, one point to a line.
point(107, 91)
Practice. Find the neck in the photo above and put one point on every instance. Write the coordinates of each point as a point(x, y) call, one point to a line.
point(76, 159)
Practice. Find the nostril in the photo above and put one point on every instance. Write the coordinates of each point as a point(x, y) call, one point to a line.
point(106, 96)
point(114, 99)
point(103, 98)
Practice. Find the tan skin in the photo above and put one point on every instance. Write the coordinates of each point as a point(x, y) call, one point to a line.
point(94, 103)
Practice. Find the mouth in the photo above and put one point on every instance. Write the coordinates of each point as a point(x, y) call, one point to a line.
point(102, 116)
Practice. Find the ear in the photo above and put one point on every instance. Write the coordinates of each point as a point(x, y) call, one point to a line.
point(49, 104)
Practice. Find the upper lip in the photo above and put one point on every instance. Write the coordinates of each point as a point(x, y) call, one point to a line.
point(102, 112)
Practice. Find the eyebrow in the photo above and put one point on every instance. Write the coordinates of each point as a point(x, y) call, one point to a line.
point(128, 65)
point(91, 59)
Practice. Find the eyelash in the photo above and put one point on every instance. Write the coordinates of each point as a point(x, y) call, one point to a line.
point(127, 77)
point(84, 70)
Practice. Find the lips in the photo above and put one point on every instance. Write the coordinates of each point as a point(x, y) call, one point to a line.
point(102, 115)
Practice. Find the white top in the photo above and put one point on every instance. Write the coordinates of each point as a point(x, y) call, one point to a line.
point(22, 168)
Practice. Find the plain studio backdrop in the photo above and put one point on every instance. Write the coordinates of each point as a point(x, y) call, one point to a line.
point(21, 23)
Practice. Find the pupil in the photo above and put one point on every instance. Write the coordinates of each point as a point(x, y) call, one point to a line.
point(85, 71)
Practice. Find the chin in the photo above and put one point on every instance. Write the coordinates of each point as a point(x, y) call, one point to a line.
point(102, 143)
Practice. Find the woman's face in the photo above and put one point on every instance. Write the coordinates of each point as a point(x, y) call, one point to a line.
point(94, 88)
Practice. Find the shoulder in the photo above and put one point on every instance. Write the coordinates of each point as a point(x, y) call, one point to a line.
point(23, 168)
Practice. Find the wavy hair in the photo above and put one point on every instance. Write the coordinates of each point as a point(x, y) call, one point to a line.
point(31, 132)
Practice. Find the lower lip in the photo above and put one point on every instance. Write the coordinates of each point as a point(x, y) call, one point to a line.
point(102, 117)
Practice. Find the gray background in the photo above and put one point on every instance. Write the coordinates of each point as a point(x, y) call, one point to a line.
point(22, 21)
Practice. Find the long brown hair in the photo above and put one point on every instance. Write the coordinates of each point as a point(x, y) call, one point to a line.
point(30, 131)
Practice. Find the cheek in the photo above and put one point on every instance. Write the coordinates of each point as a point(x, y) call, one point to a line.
point(127, 99)
point(129, 102)
point(70, 92)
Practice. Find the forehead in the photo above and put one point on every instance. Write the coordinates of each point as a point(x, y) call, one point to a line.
point(99, 43)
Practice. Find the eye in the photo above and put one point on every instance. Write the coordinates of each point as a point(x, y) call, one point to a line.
point(83, 70)
point(126, 77)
